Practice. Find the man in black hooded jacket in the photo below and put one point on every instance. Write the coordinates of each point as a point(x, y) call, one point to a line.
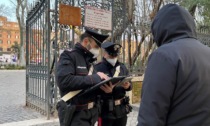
point(176, 87)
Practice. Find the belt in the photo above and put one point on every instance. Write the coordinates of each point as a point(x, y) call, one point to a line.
point(87, 106)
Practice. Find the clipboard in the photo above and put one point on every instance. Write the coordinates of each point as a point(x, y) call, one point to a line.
point(114, 80)
point(127, 79)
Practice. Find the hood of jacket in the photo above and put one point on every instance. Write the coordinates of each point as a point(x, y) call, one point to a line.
point(172, 22)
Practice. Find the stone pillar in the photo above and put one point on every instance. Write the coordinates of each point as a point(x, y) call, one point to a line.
point(135, 93)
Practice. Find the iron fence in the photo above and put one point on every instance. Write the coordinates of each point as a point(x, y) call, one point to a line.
point(38, 58)
point(204, 34)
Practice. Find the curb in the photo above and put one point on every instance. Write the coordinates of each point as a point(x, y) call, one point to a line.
point(31, 122)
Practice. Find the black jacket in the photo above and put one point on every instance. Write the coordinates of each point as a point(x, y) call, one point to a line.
point(176, 87)
point(72, 70)
point(109, 70)
point(118, 91)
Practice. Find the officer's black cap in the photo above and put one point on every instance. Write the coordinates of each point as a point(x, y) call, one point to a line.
point(111, 48)
point(99, 38)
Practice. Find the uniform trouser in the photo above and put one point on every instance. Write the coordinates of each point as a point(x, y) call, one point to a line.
point(85, 117)
point(114, 122)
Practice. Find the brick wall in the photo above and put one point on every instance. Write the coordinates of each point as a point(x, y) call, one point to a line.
point(9, 33)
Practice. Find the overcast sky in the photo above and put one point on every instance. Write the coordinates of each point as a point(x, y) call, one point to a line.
point(12, 7)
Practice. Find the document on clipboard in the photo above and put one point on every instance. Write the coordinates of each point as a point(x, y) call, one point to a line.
point(126, 79)
point(113, 80)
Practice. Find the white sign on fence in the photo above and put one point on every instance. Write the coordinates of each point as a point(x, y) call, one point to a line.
point(98, 18)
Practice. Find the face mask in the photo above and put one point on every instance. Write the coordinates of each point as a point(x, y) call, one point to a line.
point(112, 61)
point(95, 52)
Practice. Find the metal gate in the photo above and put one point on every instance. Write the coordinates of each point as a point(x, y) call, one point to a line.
point(204, 34)
point(38, 93)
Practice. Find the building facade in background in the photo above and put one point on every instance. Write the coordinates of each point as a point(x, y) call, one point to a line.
point(9, 34)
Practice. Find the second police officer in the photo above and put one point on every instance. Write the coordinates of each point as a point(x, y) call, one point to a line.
point(115, 105)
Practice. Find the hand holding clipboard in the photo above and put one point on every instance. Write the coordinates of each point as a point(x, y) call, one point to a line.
point(125, 83)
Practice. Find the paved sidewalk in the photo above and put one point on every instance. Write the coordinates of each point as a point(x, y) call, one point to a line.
point(12, 103)
point(132, 118)
point(12, 98)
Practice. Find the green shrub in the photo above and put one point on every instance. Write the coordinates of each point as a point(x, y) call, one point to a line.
point(11, 67)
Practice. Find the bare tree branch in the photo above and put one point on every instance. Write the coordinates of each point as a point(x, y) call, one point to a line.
point(144, 30)
point(11, 1)
point(5, 10)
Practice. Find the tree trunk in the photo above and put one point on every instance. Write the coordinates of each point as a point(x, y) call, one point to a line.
point(192, 10)
point(22, 56)
point(21, 22)
point(129, 48)
point(144, 35)
point(129, 11)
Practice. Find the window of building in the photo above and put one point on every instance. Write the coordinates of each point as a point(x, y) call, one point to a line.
point(9, 36)
point(8, 49)
point(1, 23)
point(1, 41)
point(8, 32)
point(8, 42)
point(1, 49)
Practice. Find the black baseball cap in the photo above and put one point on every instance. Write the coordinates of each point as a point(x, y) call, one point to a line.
point(99, 38)
point(111, 48)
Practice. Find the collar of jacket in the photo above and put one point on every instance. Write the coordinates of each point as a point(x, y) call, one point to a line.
point(110, 65)
point(83, 51)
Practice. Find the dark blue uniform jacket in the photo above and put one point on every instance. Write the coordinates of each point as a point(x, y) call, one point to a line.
point(72, 73)
point(118, 91)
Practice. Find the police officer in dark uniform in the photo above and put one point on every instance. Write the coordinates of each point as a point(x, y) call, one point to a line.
point(115, 105)
point(72, 75)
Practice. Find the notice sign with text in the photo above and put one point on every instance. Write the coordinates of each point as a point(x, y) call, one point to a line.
point(98, 18)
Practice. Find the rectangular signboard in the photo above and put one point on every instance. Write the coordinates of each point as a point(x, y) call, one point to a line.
point(98, 18)
point(69, 15)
